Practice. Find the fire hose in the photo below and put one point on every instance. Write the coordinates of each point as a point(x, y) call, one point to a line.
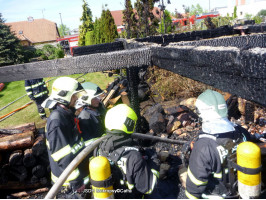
point(77, 160)
point(82, 155)
point(14, 111)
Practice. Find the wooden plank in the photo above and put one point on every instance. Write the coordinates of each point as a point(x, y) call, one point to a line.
point(17, 141)
point(76, 65)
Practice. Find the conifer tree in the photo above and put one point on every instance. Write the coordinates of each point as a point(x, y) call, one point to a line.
point(10, 48)
point(129, 19)
point(87, 24)
point(147, 22)
point(110, 29)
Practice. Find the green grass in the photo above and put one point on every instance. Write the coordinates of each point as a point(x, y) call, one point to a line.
point(14, 90)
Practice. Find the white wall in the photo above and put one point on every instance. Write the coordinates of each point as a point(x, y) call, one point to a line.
point(252, 7)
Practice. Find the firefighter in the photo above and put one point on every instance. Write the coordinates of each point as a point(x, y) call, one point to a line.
point(130, 170)
point(62, 138)
point(37, 91)
point(91, 113)
point(208, 171)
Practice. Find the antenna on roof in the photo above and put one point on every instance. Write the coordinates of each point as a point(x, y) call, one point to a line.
point(42, 13)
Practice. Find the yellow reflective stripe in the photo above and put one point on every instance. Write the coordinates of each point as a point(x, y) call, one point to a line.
point(217, 175)
point(194, 180)
point(88, 142)
point(54, 179)
point(190, 196)
point(155, 172)
point(77, 147)
point(40, 94)
point(28, 87)
point(29, 93)
point(71, 177)
point(38, 84)
point(154, 180)
point(86, 180)
point(47, 143)
point(130, 186)
point(61, 153)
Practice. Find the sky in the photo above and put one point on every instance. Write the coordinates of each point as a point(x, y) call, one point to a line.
point(71, 10)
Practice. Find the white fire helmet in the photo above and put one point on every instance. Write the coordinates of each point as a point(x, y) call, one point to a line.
point(91, 91)
point(211, 105)
point(62, 90)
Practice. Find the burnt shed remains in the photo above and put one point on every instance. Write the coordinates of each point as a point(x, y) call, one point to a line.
point(232, 63)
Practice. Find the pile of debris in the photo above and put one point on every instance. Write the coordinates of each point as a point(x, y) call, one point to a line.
point(24, 161)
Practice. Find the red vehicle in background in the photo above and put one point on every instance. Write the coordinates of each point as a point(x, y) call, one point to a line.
point(68, 43)
point(181, 22)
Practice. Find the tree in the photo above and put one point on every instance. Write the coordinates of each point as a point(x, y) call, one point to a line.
point(168, 23)
point(63, 30)
point(129, 19)
point(147, 23)
point(49, 52)
point(235, 13)
point(196, 10)
point(87, 24)
point(109, 27)
point(10, 49)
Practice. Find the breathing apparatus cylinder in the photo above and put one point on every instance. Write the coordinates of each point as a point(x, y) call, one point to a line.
point(249, 156)
point(101, 179)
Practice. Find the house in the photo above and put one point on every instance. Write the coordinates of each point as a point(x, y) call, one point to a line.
point(35, 31)
point(251, 7)
point(118, 17)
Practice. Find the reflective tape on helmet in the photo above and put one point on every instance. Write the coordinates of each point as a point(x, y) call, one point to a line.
point(195, 180)
point(61, 153)
point(190, 196)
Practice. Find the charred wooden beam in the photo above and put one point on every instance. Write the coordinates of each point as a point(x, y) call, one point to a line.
point(17, 141)
point(227, 68)
point(242, 42)
point(98, 48)
point(76, 65)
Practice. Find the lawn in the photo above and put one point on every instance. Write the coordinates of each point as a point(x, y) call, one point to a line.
point(14, 90)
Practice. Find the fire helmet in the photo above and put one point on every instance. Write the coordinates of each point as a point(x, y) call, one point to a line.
point(62, 90)
point(121, 118)
point(211, 105)
point(91, 91)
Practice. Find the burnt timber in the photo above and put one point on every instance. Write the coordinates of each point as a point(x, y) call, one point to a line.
point(235, 64)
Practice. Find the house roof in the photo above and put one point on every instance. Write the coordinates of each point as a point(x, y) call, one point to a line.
point(36, 31)
point(118, 15)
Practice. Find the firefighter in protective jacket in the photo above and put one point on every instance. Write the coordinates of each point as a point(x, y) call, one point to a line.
point(129, 168)
point(63, 140)
point(37, 91)
point(208, 171)
point(91, 113)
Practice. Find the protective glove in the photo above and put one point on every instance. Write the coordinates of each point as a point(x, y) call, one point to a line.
point(81, 189)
